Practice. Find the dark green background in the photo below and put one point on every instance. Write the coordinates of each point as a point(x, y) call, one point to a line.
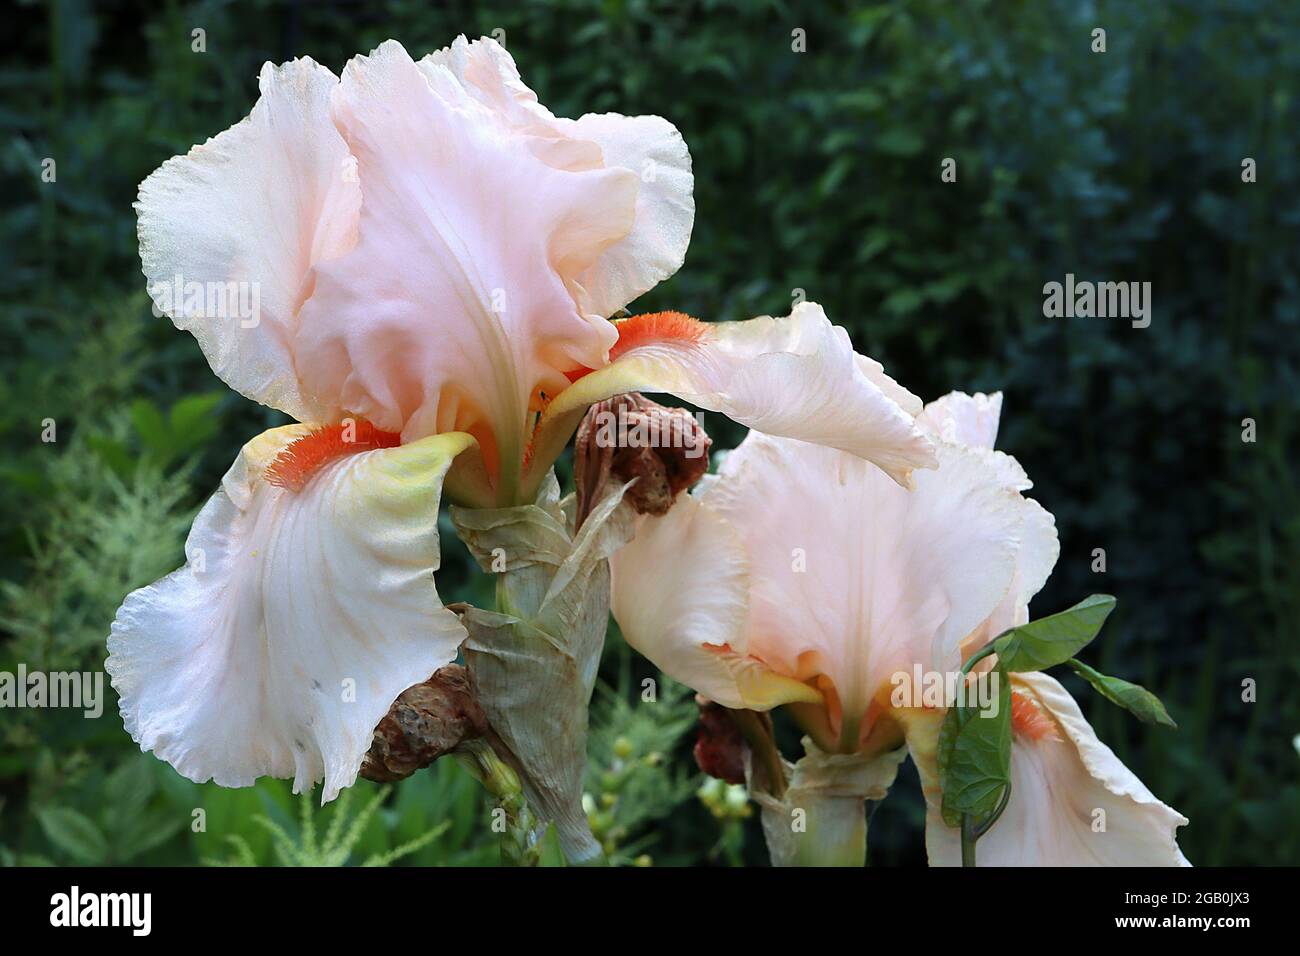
point(816, 171)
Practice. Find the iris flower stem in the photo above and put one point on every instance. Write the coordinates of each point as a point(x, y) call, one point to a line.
point(519, 837)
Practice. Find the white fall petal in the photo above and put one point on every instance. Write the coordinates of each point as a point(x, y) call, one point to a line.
point(298, 619)
point(1073, 803)
point(795, 377)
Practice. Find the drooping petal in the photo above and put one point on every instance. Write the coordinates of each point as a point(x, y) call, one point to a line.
point(797, 377)
point(680, 596)
point(874, 371)
point(298, 619)
point(455, 306)
point(229, 232)
point(1073, 803)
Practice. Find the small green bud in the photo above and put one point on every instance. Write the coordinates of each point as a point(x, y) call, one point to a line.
point(622, 748)
point(711, 791)
point(736, 798)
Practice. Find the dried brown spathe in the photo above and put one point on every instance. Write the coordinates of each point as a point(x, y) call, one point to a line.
point(425, 722)
point(668, 453)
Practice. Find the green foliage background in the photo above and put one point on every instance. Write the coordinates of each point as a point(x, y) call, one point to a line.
point(816, 171)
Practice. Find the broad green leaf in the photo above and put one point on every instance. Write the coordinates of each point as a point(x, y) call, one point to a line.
point(1134, 698)
point(975, 756)
point(192, 421)
point(74, 834)
point(1054, 639)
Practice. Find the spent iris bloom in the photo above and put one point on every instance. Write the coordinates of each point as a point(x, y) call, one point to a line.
point(823, 603)
point(434, 259)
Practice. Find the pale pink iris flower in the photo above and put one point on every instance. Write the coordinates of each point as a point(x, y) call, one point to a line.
point(804, 577)
point(434, 259)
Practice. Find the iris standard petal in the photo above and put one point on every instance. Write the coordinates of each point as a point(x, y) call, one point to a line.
point(850, 577)
point(454, 308)
point(855, 578)
point(648, 146)
point(230, 232)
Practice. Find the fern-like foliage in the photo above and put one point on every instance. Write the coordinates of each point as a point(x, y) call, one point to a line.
point(630, 781)
point(334, 847)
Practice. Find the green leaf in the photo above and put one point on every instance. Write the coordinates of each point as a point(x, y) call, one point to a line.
point(143, 833)
point(1134, 698)
point(112, 453)
point(74, 834)
point(975, 756)
point(192, 421)
point(1054, 639)
point(548, 848)
point(127, 791)
point(151, 427)
point(900, 142)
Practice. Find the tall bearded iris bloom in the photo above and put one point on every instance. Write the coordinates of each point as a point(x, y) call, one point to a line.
point(829, 602)
point(434, 259)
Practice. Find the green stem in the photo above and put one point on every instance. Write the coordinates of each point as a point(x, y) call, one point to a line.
point(986, 651)
point(968, 838)
point(519, 839)
point(836, 834)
